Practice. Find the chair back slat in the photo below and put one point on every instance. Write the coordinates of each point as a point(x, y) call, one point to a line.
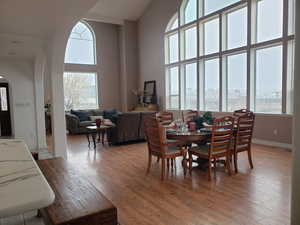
point(155, 134)
point(240, 112)
point(165, 117)
point(222, 131)
point(189, 115)
point(245, 126)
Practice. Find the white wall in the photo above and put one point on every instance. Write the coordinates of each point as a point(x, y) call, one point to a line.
point(20, 74)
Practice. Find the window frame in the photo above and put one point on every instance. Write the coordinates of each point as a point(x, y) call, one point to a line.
point(87, 68)
point(94, 45)
point(96, 86)
point(251, 45)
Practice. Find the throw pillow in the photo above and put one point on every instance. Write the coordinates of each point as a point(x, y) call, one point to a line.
point(111, 114)
point(108, 122)
point(81, 115)
point(94, 118)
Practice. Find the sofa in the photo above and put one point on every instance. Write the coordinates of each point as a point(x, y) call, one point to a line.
point(129, 125)
point(77, 126)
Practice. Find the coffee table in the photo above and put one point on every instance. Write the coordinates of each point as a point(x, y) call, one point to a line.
point(100, 131)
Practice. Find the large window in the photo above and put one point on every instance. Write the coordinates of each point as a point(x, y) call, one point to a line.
point(81, 46)
point(80, 90)
point(81, 87)
point(231, 54)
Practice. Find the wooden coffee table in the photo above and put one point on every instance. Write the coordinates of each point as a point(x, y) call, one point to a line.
point(100, 131)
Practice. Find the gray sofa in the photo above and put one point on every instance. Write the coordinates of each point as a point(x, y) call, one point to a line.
point(129, 125)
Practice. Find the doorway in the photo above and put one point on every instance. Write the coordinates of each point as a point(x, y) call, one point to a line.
point(5, 118)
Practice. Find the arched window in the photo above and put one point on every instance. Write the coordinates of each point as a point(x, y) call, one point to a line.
point(81, 45)
point(218, 57)
point(81, 87)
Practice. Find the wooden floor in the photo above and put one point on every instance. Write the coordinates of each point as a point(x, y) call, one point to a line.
point(252, 197)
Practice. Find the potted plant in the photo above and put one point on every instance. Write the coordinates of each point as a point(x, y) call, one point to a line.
point(206, 118)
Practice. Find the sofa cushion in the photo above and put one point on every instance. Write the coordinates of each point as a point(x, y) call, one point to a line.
point(111, 114)
point(85, 123)
point(82, 115)
point(94, 118)
point(97, 112)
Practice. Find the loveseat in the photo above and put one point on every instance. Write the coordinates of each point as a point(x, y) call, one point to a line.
point(129, 125)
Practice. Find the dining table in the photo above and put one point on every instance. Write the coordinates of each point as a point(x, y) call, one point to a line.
point(200, 137)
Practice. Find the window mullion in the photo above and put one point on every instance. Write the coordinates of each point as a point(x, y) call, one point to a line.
point(220, 62)
point(250, 18)
point(285, 55)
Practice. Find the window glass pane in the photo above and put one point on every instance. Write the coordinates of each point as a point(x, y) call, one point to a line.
point(269, 19)
point(190, 86)
point(291, 25)
point(212, 86)
point(290, 77)
point(236, 82)
point(3, 99)
point(237, 28)
point(214, 5)
point(80, 90)
point(173, 86)
point(81, 47)
point(175, 24)
point(191, 43)
point(211, 36)
point(190, 11)
point(268, 80)
point(173, 48)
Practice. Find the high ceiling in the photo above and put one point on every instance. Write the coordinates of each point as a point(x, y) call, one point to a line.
point(116, 11)
point(23, 22)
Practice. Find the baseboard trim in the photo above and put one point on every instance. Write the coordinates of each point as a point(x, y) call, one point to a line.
point(272, 143)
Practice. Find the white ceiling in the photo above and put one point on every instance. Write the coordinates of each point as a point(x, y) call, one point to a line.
point(24, 22)
point(116, 11)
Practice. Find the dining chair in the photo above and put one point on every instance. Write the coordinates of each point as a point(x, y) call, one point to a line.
point(218, 147)
point(188, 115)
point(165, 117)
point(241, 112)
point(243, 137)
point(159, 146)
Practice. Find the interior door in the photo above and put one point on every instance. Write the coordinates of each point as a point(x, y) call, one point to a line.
point(5, 120)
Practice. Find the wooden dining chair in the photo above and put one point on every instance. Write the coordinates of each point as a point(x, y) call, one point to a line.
point(218, 147)
point(243, 137)
point(159, 146)
point(240, 112)
point(165, 117)
point(188, 115)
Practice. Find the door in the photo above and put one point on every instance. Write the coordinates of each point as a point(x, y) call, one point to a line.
point(5, 120)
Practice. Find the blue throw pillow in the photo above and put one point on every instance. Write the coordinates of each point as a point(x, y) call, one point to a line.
point(111, 114)
point(81, 115)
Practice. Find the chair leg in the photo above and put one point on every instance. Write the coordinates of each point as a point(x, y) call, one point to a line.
point(209, 169)
point(250, 158)
point(228, 165)
point(184, 161)
point(215, 167)
point(168, 164)
point(158, 158)
point(172, 164)
point(149, 163)
point(163, 165)
point(235, 162)
point(190, 162)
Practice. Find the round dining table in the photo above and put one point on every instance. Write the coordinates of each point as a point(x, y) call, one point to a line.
point(189, 136)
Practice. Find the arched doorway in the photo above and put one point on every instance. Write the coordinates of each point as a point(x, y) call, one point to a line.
point(5, 111)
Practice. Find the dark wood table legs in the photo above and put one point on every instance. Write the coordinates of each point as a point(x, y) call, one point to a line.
point(101, 138)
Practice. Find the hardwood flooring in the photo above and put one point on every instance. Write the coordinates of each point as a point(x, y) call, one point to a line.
point(251, 197)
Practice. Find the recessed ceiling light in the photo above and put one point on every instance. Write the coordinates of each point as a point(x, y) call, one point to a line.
point(16, 42)
point(1, 77)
